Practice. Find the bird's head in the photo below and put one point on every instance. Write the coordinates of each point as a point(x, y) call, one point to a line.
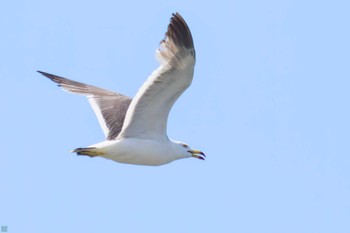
point(185, 151)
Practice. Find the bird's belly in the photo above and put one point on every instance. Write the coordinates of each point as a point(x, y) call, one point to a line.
point(139, 151)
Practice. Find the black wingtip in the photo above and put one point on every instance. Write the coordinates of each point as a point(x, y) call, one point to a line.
point(179, 31)
point(54, 78)
point(45, 74)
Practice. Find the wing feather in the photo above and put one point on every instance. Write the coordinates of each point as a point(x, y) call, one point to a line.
point(148, 112)
point(109, 107)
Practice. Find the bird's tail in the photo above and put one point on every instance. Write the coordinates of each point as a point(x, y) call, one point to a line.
point(89, 151)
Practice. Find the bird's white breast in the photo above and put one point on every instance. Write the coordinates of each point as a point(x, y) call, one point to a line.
point(138, 151)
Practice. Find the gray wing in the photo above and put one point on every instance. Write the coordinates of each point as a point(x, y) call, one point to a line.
point(148, 112)
point(109, 107)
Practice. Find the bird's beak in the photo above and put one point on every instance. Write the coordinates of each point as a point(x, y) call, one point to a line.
point(197, 154)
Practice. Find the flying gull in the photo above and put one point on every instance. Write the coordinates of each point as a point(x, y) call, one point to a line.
point(135, 129)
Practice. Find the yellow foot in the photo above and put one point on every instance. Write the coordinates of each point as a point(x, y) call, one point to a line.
point(89, 151)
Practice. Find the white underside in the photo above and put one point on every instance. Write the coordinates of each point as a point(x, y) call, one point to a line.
point(138, 151)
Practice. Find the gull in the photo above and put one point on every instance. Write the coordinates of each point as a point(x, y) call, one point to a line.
point(135, 128)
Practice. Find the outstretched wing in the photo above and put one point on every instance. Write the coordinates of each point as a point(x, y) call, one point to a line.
point(109, 107)
point(148, 112)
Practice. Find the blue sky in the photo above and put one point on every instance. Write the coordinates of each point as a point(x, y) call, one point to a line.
point(269, 105)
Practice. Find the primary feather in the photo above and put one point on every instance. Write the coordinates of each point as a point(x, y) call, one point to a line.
point(148, 112)
point(109, 107)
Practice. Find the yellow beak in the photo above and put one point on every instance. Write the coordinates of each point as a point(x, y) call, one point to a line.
point(197, 154)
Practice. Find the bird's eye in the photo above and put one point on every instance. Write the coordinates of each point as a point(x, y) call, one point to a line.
point(185, 146)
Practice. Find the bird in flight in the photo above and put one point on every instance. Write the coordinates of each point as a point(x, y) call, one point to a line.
point(135, 129)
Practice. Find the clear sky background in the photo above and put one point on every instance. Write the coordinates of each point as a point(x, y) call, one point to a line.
point(269, 105)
